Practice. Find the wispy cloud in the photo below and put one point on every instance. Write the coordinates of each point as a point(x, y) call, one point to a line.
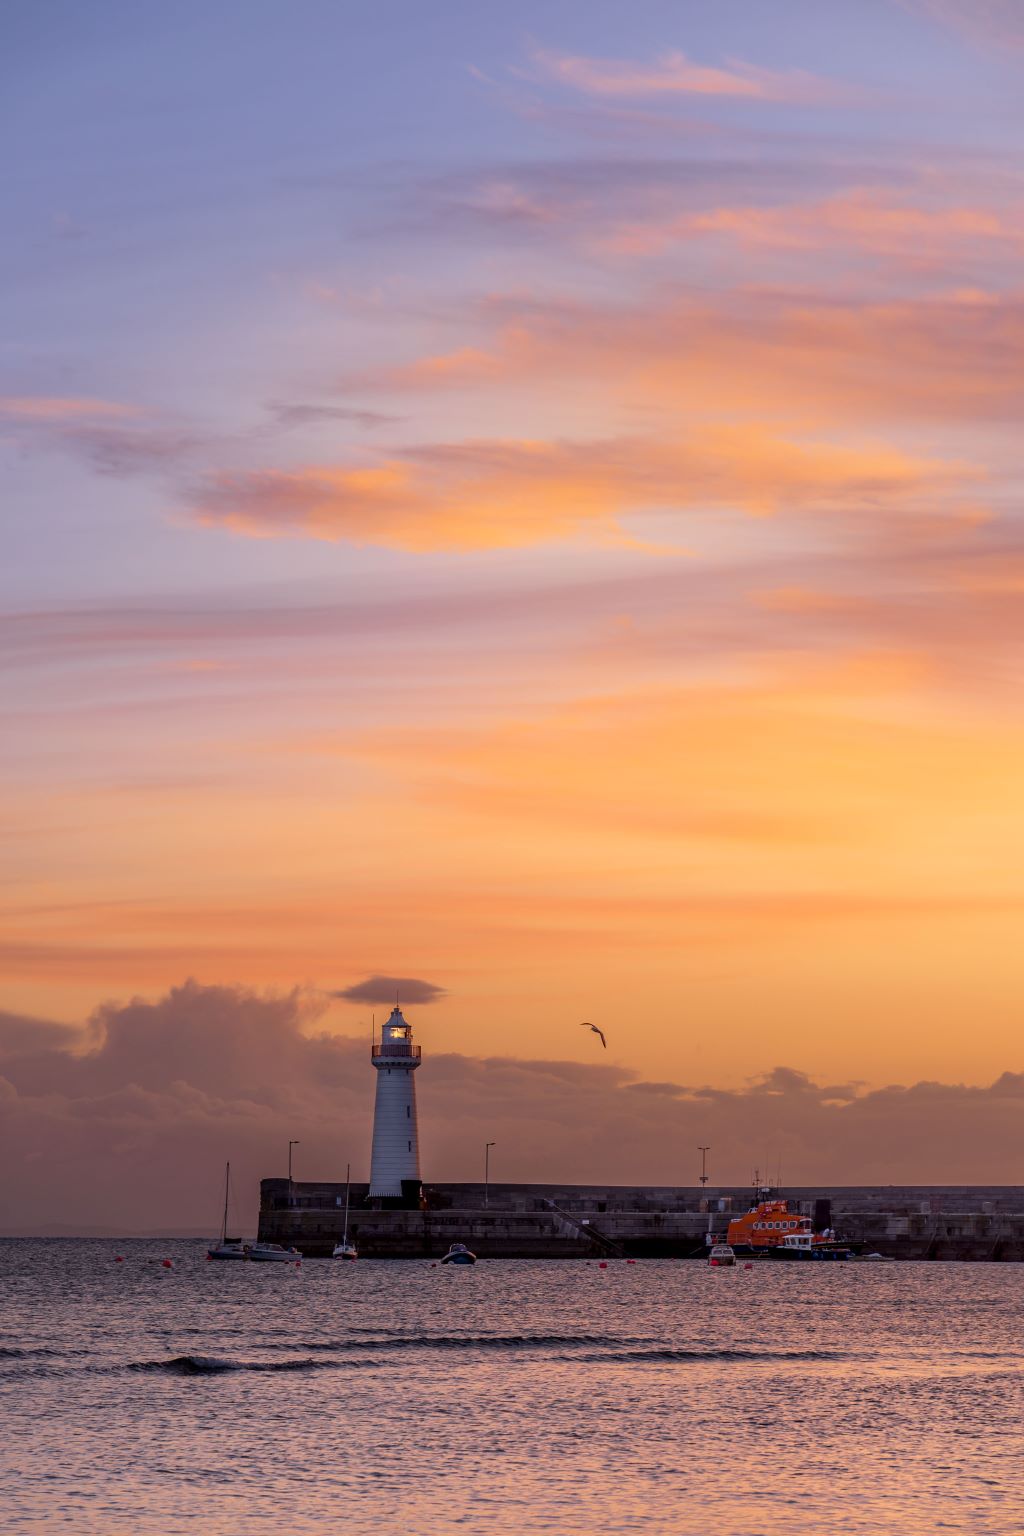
point(674, 74)
point(63, 408)
point(483, 495)
point(990, 23)
point(300, 414)
point(787, 352)
point(116, 438)
point(859, 220)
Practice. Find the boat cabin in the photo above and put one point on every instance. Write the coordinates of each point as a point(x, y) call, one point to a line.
point(768, 1225)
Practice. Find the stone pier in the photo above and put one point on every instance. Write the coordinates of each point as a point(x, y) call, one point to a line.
point(559, 1221)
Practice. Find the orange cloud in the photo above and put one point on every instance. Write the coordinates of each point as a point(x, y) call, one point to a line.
point(56, 408)
point(673, 74)
point(484, 495)
point(782, 356)
point(862, 218)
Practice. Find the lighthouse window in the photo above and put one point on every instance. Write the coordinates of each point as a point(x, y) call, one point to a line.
point(408, 1112)
point(410, 1146)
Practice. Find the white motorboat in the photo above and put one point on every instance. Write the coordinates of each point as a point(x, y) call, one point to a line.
point(721, 1256)
point(458, 1253)
point(273, 1253)
point(227, 1247)
point(345, 1249)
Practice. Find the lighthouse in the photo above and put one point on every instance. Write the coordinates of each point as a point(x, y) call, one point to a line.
point(395, 1158)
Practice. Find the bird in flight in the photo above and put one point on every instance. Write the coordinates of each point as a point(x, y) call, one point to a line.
point(599, 1033)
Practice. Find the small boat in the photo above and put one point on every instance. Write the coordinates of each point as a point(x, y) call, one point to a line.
point(345, 1249)
point(720, 1256)
point(273, 1253)
point(227, 1247)
point(458, 1253)
point(809, 1245)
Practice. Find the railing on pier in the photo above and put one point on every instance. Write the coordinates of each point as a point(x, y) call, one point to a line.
point(585, 1228)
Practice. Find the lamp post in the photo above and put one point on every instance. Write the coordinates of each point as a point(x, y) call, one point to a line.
point(703, 1165)
point(487, 1169)
point(290, 1145)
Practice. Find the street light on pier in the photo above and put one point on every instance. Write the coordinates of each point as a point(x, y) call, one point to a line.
point(290, 1145)
point(487, 1169)
point(703, 1165)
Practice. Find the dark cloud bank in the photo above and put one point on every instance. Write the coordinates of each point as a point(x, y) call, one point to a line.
point(391, 989)
point(126, 1124)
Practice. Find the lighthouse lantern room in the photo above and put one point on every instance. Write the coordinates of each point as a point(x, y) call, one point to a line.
point(395, 1158)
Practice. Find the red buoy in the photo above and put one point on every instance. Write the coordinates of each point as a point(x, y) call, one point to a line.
point(602, 1265)
point(748, 1266)
point(167, 1264)
point(119, 1258)
point(631, 1261)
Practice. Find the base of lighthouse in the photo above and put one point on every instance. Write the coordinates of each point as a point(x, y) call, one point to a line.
point(395, 1157)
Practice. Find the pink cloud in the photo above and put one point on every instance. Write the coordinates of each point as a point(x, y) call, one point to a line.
point(674, 74)
point(861, 219)
point(504, 494)
point(59, 408)
point(991, 23)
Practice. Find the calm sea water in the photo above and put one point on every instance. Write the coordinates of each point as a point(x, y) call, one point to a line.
point(518, 1397)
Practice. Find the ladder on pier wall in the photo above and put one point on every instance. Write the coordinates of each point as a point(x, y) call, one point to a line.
point(601, 1240)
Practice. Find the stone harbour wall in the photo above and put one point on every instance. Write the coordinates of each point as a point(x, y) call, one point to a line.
point(560, 1221)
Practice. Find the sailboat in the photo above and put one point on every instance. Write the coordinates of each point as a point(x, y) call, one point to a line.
point(345, 1249)
point(228, 1247)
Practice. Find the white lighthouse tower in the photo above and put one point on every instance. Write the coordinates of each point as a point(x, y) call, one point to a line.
point(395, 1158)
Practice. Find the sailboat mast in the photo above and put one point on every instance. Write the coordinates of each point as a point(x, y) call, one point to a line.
point(227, 1187)
point(348, 1170)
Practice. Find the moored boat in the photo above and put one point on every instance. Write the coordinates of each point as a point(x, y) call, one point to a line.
point(227, 1247)
point(770, 1230)
point(458, 1253)
point(807, 1245)
point(721, 1256)
point(345, 1249)
point(273, 1253)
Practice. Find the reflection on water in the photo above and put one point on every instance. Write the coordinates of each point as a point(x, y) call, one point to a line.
point(534, 1397)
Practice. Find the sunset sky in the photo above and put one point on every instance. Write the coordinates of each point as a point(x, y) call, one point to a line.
point(527, 499)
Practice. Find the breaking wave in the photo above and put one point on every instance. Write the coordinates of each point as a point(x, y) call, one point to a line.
point(16, 1352)
point(572, 1348)
point(672, 1356)
point(456, 1341)
point(209, 1365)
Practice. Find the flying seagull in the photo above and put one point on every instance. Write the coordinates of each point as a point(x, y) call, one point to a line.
point(597, 1032)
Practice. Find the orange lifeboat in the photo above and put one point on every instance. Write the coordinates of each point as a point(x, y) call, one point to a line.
point(767, 1225)
point(772, 1231)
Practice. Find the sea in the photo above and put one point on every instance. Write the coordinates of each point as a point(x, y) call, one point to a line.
point(144, 1389)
